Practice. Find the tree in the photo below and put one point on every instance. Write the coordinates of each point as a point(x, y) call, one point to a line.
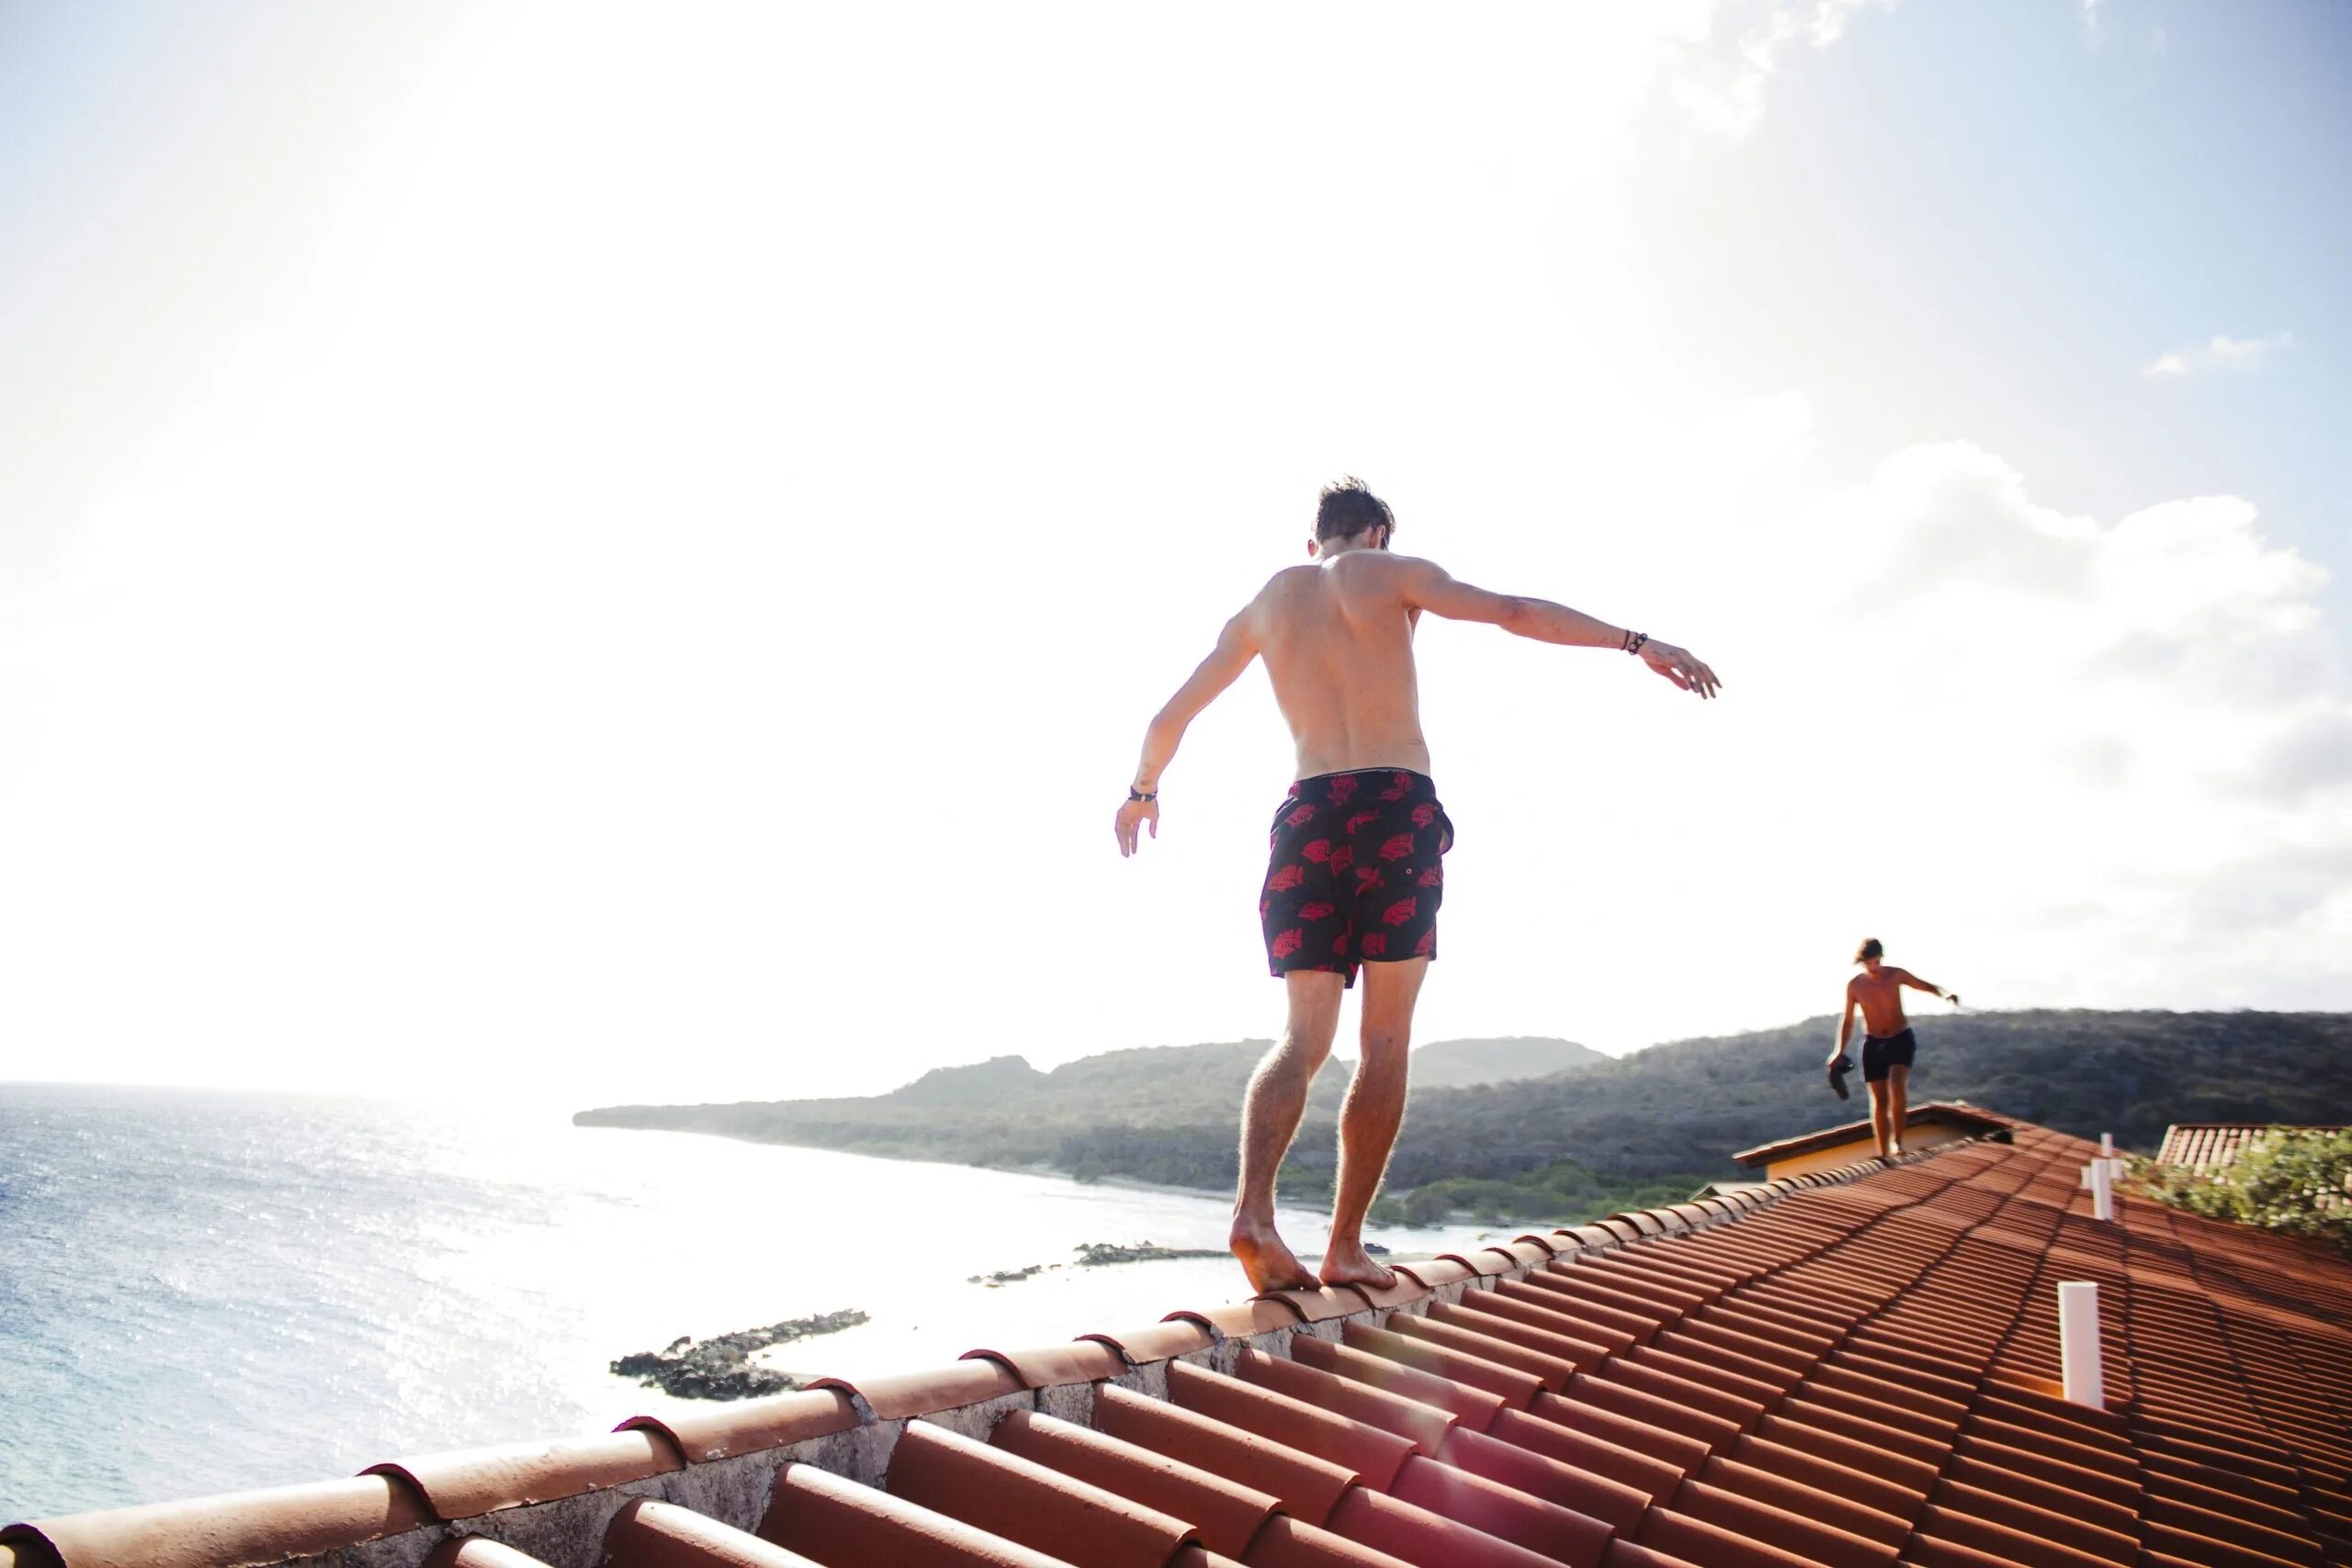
point(2295, 1180)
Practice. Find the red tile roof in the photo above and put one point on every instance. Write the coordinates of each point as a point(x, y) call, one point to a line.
point(2209, 1146)
point(1854, 1368)
point(1970, 1119)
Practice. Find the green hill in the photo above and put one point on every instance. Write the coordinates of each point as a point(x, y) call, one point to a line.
point(1646, 1128)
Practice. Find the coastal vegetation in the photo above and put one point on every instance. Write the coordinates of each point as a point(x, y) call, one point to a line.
point(1600, 1135)
point(2297, 1180)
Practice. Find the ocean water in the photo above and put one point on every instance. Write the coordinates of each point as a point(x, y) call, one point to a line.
point(201, 1293)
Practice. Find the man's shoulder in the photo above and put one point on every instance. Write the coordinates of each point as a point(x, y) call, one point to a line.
point(1378, 571)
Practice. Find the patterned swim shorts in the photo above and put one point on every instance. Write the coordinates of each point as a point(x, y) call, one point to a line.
point(1357, 873)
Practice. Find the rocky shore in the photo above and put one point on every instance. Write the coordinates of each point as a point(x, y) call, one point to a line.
point(1097, 1255)
point(721, 1367)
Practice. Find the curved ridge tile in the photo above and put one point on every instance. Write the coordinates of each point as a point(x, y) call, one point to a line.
point(236, 1529)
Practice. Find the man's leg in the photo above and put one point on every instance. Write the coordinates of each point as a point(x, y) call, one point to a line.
point(1375, 1109)
point(1270, 1115)
point(1898, 1107)
point(1878, 1115)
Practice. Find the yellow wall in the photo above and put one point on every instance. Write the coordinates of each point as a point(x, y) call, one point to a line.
point(1919, 1135)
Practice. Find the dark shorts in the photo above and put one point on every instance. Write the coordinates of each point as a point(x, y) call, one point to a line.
point(1357, 873)
point(1878, 1055)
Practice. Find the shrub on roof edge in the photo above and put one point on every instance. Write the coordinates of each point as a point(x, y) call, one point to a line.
point(2298, 1182)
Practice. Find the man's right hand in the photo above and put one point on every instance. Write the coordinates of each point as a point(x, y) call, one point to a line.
point(1133, 815)
point(1676, 665)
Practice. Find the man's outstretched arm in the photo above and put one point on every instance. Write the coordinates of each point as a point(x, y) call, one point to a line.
point(1904, 978)
point(1236, 647)
point(1428, 586)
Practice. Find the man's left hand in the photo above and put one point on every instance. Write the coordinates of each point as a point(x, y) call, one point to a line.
point(1133, 815)
point(1676, 665)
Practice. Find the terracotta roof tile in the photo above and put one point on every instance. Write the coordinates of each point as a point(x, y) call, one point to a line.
point(1177, 1336)
point(1240, 1320)
point(1423, 1425)
point(1021, 1500)
point(723, 1430)
point(1485, 1263)
point(240, 1527)
point(1407, 1289)
point(1308, 1487)
point(1855, 1369)
point(1539, 1474)
point(468, 1482)
point(1419, 1535)
point(1588, 1445)
point(650, 1534)
point(1082, 1360)
point(898, 1395)
point(1472, 1407)
point(1228, 1515)
point(1370, 1454)
point(1285, 1542)
point(1404, 1342)
point(820, 1516)
point(1321, 1306)
point(1503, 1511)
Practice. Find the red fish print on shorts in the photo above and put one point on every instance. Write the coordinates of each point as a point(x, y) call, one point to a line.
point(1317, 911)
point(1341, 788)
point(1398, 848)
point(1432, 878)
point(1286, 879)
point(1399, 787)
point(1424, 814)
point(1427, 945)
point(1287, 942)
point(1300, 818)
point(1319, 850)
point(1396, 914)
point(1374, 944)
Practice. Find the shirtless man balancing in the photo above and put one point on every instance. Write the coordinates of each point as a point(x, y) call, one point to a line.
point(1888, 1046)
point(1357, 871)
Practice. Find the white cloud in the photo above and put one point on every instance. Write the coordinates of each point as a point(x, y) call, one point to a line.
point(2136, 732)
point(2246, 352)
point(2219, 352)
point(1714, 75)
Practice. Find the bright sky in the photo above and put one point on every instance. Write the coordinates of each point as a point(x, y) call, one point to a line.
point(628, 555)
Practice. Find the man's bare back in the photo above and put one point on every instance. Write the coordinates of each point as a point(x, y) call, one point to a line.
point(1336, 637)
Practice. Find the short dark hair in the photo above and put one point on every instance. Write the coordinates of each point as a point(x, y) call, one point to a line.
point(1869, 950)
point(1348, 507)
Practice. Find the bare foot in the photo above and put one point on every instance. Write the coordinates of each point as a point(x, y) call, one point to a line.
point(1269, 1264)
point(1351, 1265)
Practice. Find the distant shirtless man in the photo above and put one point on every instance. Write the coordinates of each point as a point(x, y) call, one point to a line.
point(1359, 842)
point(1888, 1046)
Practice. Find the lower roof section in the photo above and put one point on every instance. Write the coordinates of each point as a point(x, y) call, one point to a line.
point(1856, 1370)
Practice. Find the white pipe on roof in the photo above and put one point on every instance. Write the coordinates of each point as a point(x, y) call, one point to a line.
point(2107, 1145)
point(2102, 1189)
point(2078, 1356)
